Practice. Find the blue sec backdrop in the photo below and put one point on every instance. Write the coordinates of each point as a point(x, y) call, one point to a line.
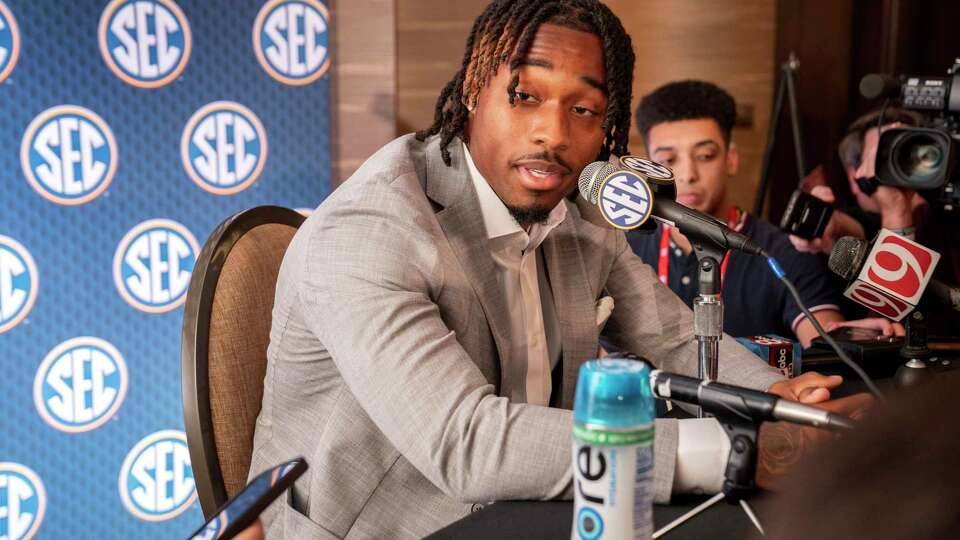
point(130, 129)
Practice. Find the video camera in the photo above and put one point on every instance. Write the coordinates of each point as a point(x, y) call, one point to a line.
point(921, 158)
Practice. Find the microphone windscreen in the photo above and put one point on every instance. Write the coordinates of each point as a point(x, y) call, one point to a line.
point(847, 257)
point(590, 178)
point(877, 85)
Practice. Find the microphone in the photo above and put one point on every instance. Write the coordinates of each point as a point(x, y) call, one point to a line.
point(626, 201)
point(720, 399)
point(888, 276)
point(876, 85)
point(945, 293)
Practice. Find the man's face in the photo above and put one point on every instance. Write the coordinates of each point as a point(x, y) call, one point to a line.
point(698, 155)
point(532, 153)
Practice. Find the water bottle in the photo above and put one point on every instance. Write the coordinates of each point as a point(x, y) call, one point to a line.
point(613, 416)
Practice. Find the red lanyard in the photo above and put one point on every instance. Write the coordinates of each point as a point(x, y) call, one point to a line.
point(735, 220)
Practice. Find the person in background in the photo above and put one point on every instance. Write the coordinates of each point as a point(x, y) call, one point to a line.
point(888, 207)
point(901, 210)
point(687, 125)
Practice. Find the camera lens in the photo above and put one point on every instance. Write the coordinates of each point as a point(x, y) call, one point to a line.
point(919, 157)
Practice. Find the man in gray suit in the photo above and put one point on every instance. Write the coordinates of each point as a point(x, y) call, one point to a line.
point(432, 314)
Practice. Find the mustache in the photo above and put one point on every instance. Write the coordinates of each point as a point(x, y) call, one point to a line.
point(550, 157)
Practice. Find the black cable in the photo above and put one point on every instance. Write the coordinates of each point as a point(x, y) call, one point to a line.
point(782, 276)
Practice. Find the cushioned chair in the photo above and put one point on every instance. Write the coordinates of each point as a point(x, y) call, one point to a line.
point(223, 353)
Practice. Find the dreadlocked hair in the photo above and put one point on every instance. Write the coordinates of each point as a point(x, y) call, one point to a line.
point(503, 33)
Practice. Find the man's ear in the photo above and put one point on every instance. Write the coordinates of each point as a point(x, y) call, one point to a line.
point(733, 159)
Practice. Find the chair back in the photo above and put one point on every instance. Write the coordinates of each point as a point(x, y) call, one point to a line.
point(223, 352)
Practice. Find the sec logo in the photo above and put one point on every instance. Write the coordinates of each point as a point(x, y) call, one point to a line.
point(224, 147)
point(156, 479)
point(625, 200)
point(290, 40)
point(23, 501)
point(152, 265)
point(18, 283)
point(649, 169)
point(146, 43)
point(80, 384)
point(68, 155)
point(9, 42)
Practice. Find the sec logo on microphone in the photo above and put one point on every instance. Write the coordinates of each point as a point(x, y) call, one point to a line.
point(9, 42)
point(23, 502)
point(625, 200)
point(156, 479)
point(80, 384)
point(291, 40)
point(68, 155)
point(224, 147)
point(146, 43)
point(648, 169)
point(18, 283)
point(153, 263)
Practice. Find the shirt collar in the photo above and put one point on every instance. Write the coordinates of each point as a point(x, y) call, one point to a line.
point(497, 219)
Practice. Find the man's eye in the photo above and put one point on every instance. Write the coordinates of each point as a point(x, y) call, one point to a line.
point(524, 97)
point(583, 111)
point(706, 157)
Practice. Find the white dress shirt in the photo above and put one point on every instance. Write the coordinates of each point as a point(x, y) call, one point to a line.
point(702, 446)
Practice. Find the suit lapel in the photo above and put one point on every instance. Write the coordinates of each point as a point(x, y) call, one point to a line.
point(575, 304)
point(462, 224)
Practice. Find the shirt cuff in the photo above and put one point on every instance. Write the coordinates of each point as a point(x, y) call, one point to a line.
point(702, 453)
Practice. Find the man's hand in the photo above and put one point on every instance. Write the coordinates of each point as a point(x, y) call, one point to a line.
point(896, 206)
point(840, 225)
point(781, 445)
point(253, 532)
point(881, 324)
point(807, 388)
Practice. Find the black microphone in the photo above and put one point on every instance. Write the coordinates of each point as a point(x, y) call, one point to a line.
point(876, 85)
point(691, 223)
point(945, 293)
point(720, 399)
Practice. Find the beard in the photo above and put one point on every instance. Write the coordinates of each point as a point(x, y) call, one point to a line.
point(529, 215)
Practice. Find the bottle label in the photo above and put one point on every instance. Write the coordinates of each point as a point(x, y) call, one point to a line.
point(613, 485)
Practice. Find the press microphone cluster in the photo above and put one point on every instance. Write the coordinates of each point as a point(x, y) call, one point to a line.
point(626, 196)
point(718, 399)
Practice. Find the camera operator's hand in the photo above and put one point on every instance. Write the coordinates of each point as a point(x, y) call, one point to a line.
point(896, 206)
point(840, 225)
point(781, 445)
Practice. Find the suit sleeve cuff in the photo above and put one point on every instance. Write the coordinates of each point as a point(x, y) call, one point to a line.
point(702, 452)
point(665, 457)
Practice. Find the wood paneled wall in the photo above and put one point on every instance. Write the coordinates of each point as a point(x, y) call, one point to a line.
point(430, 39)
point(728, 42)
point(363, 82)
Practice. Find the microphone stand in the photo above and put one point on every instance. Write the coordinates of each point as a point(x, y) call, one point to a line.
point(915, 351)
point(739, 482)
point(708, 311)
point(739, 424)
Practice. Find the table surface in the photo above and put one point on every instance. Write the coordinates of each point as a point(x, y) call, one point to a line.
point(554, 519)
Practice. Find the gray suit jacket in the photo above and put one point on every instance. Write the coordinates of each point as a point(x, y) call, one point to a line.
point(383, 371)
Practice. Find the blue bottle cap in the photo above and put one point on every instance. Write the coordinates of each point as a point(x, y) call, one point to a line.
point(614, 393)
